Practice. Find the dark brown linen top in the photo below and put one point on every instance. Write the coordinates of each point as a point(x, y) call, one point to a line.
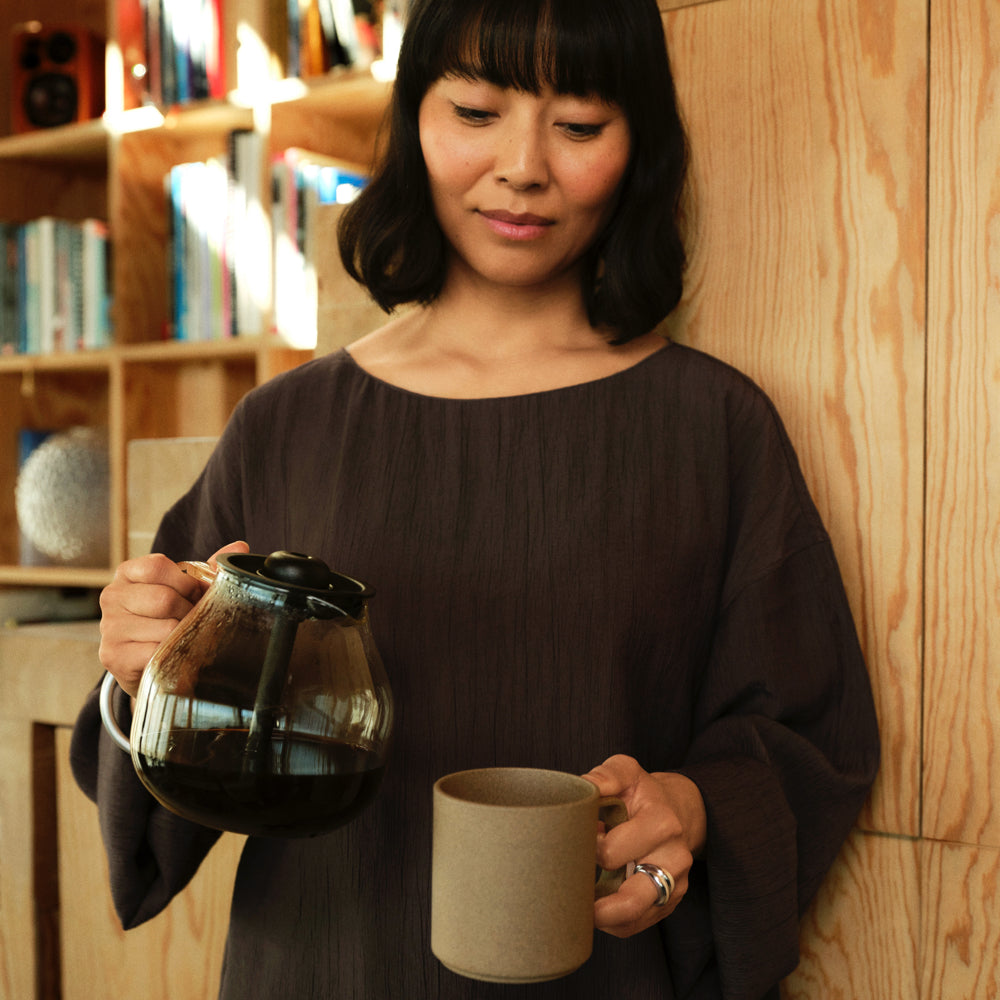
point(632, 565)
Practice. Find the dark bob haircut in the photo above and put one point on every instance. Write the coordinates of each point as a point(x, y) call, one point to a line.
point(615, 50)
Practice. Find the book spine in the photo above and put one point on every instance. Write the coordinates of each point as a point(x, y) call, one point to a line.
point(25, 317)
point(9, 292)
point(153, 14)
point(197, 49)
point(168, 52)
point(215, 49)
point(178, 239)
point(46, 284)
point(63, 337)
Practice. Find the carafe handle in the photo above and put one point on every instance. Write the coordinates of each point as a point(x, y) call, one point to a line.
point(200, 571)
point(107, 703)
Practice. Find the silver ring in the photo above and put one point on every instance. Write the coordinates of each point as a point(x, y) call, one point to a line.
point(663, 881)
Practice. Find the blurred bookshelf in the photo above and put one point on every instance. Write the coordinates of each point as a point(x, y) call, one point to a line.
point(111, 174)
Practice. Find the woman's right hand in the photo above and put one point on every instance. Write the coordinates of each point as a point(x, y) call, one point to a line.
point(141, 606)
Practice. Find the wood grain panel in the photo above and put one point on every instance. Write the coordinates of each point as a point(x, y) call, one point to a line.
point(10, 403)
point(345, 310)
point(806, 224)
point(860, 939)
point(961, 921)
point(962, 706)
point(189, 400)
point(32, 189)
point(17, 930)
point(177, 954)
point(160, 471)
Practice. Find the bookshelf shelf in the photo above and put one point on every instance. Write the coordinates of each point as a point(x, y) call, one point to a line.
point(85, 142)
point(55, 576)
point(113, 169)
point(63, 361)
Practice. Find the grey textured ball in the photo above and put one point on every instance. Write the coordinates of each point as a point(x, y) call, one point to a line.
point(63, 498)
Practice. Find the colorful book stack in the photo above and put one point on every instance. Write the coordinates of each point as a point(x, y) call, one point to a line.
point(54, 288)
point(321, 34)
point(179, 46)
point(219, 274)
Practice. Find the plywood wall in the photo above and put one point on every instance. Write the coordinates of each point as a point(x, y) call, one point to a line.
point(962, 697)
point(961, 749)
point(807, 220)
point(845, 220)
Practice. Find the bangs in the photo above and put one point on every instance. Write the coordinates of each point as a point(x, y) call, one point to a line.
point(568, 45)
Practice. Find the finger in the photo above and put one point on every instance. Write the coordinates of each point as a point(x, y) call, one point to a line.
point(653, 828)
point(631, 909)
point(126, 662)
point(156, 603)
point(156, 570)
point(616, 776)
point(152, 619)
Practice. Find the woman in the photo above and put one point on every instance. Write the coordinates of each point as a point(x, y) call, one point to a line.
point(588, 544)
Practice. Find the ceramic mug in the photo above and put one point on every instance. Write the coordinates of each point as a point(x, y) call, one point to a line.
point(513, 872)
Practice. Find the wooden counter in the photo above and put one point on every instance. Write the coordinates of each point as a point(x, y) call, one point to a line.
point(59, 937)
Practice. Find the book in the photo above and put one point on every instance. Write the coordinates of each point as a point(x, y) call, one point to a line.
point(198, 196)
point(45, 278)
point(95, 281)
point(55, 291)
point(152, 12)
point(169, 87)
point(215, 49)
point(10, 297)
point(248, 253)
point(201, 69)
point(302, 180)
point(177, 237)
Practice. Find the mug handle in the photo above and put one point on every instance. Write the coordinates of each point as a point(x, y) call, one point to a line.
point(611, 811)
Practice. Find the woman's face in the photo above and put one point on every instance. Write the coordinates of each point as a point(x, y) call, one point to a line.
point(522, 183)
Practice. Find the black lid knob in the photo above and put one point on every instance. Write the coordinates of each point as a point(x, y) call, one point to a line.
point(296, 569)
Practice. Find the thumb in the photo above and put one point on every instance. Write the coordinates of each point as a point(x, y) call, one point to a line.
point(226, 549)
point(204, 572)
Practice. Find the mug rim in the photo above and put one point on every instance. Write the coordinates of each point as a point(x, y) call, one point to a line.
point(514, 793)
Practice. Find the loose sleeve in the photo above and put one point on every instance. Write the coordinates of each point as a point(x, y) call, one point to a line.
point(786, 744)
point(153, 853)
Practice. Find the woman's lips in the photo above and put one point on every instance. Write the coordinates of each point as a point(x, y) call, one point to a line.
point(516, 226)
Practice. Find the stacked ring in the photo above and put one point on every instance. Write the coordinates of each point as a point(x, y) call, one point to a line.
point(663, 881)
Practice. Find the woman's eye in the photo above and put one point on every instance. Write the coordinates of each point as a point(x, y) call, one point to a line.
point(579, 130)
point(475, 116)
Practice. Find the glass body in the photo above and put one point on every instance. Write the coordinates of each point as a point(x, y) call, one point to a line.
point(267, 711)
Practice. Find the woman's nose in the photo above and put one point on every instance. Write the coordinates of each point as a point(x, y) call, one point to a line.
point(521, 161)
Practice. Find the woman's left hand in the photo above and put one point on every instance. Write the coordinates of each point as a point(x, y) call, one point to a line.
point(666, 827)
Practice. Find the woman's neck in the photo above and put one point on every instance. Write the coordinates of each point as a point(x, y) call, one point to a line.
point(476, 342)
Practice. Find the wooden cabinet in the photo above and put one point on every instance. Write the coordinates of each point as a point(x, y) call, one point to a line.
point(113, 169)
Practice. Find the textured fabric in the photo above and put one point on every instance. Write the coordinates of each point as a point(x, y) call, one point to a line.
point(632, 565)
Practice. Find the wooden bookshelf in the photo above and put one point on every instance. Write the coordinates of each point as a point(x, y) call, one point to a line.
point(113, 169)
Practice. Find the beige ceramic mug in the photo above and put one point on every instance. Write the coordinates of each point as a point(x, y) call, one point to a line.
point(513, 872)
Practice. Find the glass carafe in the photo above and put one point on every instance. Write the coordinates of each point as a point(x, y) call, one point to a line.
point(267, 710)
